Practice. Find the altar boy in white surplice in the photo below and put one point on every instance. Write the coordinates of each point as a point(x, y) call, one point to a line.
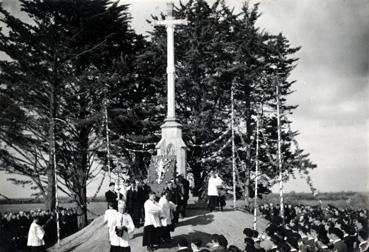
point(166, 215)
point(151, 234)
point(121, 231)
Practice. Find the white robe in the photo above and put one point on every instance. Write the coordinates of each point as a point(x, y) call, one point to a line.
point(109, 217)
point(213, 185)
point(35, 235)
point(166, 215)
point(121, 220)
point(152, 213)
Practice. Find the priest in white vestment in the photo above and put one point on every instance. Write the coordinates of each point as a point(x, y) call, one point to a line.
point(214, 183)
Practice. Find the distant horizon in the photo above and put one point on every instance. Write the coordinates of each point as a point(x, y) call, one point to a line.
point(102, 195)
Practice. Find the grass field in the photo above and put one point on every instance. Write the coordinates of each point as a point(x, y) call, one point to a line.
point(337, 199)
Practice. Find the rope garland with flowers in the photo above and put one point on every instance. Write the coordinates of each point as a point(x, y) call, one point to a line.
point(121, 137)
point(208, 144)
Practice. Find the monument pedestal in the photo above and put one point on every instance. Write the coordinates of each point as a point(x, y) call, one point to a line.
point(171, 143)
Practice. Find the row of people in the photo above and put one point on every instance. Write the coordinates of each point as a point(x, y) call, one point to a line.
point(135, 193)
point(157, 226)
point(15, 227)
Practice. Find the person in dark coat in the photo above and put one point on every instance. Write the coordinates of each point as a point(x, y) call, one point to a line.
point(183, 245)
point(336, 236)
point(134, 201)
point(215, 244)
point(184, 185)
point(249, 245)
point(112, 196)
point(174, 196)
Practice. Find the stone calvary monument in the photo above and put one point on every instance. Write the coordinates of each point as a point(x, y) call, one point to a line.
point(171, 146)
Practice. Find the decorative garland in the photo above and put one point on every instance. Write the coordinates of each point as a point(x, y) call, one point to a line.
point(212, 156)
point(150, 151)
point(211, 142)
point(131, 141)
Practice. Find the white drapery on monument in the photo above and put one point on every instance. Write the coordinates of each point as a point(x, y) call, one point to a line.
point(171, 142)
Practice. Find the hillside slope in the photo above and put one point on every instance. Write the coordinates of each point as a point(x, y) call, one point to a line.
point(199, 225)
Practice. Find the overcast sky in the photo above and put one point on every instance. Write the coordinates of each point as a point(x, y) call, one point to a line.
point(331, 90)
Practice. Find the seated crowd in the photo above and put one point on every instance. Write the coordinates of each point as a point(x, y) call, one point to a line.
point(305, 229)
point(313, 228)
point(14, 227)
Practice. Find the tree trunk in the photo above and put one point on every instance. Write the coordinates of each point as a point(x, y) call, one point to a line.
point(81, 206)
point(83, 168)
point(198, 181)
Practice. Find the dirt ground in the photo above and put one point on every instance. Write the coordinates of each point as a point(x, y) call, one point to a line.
point(199, 224)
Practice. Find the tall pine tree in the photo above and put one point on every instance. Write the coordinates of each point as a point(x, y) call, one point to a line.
point(59, 73)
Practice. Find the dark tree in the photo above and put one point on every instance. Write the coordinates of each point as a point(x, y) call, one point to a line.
point(62, 65)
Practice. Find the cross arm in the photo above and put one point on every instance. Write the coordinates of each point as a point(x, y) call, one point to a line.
point(170, 22)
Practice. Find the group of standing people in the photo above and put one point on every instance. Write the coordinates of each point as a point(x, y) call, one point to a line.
point(216, 192)
point(129, 207)
point(16, 234)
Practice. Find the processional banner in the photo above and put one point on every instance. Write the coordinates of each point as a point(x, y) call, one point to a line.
point(161, 170)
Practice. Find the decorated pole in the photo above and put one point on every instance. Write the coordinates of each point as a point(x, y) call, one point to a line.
point(107, 136)
point(279, 153)
point(233, 150)
point(256, 172)
point(56, 181)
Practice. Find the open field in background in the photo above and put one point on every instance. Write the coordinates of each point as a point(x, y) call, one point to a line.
point(337, 199)
point(98, 207)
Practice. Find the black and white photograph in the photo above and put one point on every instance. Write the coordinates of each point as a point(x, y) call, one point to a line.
point(184, 125)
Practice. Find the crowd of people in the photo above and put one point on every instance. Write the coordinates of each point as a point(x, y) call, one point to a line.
point(303, 229)
point(314, 228)
point(135, 204)
point(16, 227)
